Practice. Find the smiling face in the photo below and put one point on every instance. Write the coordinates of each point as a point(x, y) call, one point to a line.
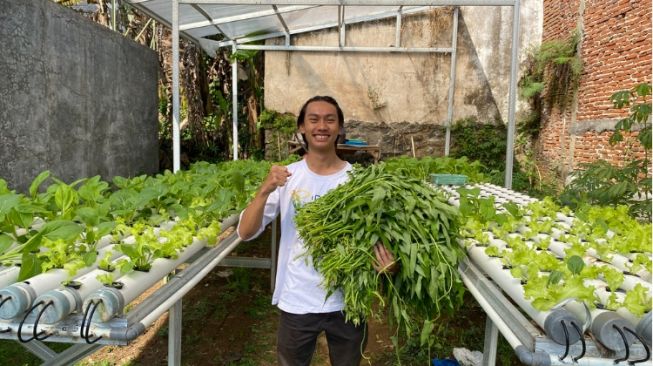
point(320, 126)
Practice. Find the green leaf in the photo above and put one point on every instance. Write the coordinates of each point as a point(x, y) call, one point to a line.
point(7, 202)
point(643, 89)
point(427, 328)
point(575, 264)
point(30, 266)
point(88, 215)
point(645, 137)
point(5, 242)
point(638, 300)
point(64, 198)
point(36, 183)
point(554, 278)
point(89, 258)
point(61, 229)
point(621, 98)
point(104, 228)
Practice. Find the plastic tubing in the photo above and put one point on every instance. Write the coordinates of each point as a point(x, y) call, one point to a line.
point(21, 295)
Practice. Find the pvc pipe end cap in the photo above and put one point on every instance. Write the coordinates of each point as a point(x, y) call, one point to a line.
point(17, 305)
point(603, 329)
point(59, 309)
point(554, 329)
point(644, 328)
point(111, 304)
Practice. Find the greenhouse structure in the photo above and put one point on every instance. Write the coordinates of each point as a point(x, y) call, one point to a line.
point(561, 285)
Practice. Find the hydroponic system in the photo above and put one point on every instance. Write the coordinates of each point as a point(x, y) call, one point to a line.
point(74, 256)
point(573, 275)
point(562, 287)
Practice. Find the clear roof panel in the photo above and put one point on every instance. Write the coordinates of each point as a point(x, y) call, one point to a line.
point(267, 24)
point(200, 21)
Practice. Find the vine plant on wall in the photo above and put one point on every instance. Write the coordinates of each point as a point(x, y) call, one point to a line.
point(550, 79)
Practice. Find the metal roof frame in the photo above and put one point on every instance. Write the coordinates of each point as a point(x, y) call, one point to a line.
point(188, 17)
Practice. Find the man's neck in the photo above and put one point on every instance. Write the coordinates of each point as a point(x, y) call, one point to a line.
point(323, 163)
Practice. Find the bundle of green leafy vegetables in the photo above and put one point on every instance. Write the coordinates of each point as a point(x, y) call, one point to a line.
point(412, 220)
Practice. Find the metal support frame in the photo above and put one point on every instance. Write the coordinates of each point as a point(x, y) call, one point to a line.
point(452, 81)
point(335, 24)
point(528, 342)
point(40, 350)
point(490, 343)
point(341, 26)
point(512, 95)
point(176, 164)
point(398, 28)
point(174, 334)
point(283, 24)
point(234, 100)
point(73, 354)
point(273, 254)
point(345, 49)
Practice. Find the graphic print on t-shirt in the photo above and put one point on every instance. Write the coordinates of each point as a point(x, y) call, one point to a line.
point(299, 197)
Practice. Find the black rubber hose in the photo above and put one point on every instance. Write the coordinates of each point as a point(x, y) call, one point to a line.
point(90, 321)
point(81, 328)
point(648, 350)
point(623, 336)
point(582, 339)
point(38, 318)
point(20, 326)
point(564, 329)
point(4, 300)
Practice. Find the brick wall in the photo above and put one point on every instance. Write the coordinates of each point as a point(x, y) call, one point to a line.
point(616, 54)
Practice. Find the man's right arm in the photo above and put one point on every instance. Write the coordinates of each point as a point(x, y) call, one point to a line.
point(252, 218)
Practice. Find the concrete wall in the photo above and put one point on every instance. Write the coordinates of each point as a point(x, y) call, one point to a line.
point(616, 55)
point(75, 98)
point(401, 99)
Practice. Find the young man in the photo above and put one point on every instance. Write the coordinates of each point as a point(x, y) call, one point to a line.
point(305, 310)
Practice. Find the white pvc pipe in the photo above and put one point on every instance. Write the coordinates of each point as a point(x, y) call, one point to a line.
point(8, 276)
point(136, 282)
point(510, 285)
point(22, 294)
point(66, 300)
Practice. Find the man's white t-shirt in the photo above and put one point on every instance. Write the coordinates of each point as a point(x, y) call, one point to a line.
point(298, 287)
